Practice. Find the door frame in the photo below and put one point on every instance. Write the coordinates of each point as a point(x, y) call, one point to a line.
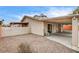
point(49, 28)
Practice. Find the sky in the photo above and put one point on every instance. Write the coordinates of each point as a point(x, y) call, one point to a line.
point(16, 13)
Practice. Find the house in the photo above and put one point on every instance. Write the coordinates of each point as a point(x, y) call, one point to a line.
point(46, 26)
point(18, 24)
point(35, 23)
point(42, 25)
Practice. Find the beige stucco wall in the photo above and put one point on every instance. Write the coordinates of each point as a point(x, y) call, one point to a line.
point(15, 25)
point(78, 38)
point(13, 31)
point(36, 27)
point(45, 28)
point(54, 28)
point(27, 20)
point(75, 33)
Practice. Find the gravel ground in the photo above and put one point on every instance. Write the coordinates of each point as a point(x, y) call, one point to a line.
point(38, 44)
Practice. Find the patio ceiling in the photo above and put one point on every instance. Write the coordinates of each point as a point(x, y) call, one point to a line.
point(62, 19)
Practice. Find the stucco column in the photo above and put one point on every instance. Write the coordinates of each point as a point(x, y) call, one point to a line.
point(45, 28)
point(61, 27)
point(74, 33)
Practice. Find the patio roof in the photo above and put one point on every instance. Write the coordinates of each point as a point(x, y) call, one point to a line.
point(62, 19)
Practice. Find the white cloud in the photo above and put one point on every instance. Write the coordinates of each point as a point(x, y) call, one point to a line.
point(26, 14)
point(52, 12)
point(58, 12)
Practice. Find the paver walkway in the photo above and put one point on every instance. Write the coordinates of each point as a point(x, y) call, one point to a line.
point(37, 44)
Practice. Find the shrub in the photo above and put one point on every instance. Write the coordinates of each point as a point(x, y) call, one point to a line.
point(24, 48)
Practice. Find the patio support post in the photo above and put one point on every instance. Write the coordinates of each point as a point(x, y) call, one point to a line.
point(45, 29)
point(74, 33)
point(61, 27)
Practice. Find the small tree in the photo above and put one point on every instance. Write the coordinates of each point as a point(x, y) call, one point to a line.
point(76, 11)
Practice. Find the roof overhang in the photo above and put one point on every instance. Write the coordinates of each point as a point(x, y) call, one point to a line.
point(62, 19)
point(18, 23)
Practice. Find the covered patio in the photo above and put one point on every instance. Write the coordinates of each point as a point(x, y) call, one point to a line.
point(62, 38)
point(55, 25)
point(54, 30)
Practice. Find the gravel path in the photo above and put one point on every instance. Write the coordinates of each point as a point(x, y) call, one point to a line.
point(37, 44)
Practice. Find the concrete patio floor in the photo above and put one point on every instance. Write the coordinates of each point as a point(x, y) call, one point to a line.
point(62, 38)
point(38, 44)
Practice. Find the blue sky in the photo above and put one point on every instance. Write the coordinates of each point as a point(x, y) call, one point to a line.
point(15, 13)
